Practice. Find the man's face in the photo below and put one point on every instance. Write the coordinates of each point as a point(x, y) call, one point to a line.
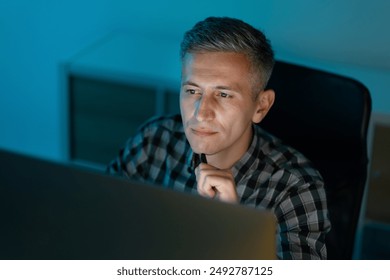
point(217, 103)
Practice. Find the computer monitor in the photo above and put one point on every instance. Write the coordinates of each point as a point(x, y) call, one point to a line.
point(52, 210)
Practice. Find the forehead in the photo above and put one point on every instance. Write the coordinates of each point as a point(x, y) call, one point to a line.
point(223, 65)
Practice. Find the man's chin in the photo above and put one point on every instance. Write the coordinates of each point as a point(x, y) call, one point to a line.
point(202, 148)
point(206, 151)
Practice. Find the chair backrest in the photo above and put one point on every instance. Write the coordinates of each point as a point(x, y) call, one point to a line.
point(325, 116)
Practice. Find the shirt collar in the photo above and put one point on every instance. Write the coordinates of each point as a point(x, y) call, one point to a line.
point(189, 157)
point(248, 155)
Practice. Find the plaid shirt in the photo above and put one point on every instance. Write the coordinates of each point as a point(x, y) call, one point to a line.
point(268, 176)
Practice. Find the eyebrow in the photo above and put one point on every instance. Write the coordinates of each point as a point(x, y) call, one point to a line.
point(190, 83)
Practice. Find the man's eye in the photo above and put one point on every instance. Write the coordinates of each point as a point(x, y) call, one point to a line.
point(190, 91)
point(224, 95)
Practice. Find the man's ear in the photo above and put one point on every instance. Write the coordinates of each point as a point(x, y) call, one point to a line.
point(264, 101)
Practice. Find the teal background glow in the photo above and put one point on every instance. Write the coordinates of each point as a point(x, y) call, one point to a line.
point(346, 37)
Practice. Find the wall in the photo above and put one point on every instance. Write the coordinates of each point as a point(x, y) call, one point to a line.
point(36, 36)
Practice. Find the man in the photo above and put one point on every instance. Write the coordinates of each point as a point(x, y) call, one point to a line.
point(215, 149)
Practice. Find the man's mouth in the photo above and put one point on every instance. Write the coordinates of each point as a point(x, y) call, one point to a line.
point(203, 132)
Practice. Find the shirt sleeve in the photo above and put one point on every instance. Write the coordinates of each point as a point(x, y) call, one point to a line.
point(132, 158)
point(144, 156)
point(303, 221)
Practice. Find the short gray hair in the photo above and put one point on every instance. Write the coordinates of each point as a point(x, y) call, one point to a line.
point(223, 34)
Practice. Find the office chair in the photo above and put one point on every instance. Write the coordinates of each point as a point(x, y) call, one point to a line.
point(325, 116)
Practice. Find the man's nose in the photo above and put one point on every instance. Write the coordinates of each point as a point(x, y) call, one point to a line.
point(205, 109)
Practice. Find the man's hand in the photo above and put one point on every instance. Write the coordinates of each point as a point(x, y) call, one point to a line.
point(216, 183)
